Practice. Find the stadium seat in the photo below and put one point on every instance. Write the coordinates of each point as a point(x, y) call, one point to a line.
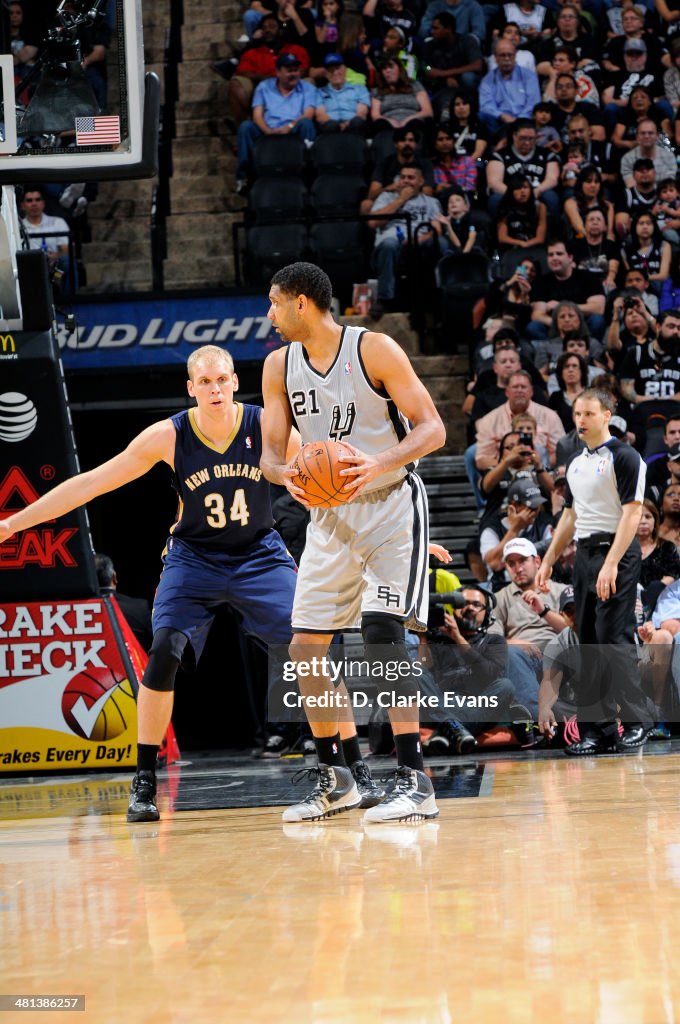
point(278, 154)
point(276, 200)
point(339, 153)
point(334, 195)
point(271, 247)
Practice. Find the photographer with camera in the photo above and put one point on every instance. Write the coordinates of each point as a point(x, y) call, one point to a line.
point(631, 324)
point(469, 662)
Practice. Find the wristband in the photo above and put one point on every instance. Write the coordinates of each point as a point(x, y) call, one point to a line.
point(545, 611)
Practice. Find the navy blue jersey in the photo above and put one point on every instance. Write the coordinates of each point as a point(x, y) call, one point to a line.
point(224, 498)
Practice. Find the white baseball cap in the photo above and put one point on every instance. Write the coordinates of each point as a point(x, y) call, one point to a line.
point(520, 546)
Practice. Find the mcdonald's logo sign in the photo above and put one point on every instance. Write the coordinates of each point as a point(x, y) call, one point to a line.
point(8, 345)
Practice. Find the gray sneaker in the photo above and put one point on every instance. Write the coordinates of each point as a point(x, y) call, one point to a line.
point(334, 792)
point(412, 799)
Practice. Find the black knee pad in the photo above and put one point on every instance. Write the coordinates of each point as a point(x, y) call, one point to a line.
point(380, 628)
point(164, 658)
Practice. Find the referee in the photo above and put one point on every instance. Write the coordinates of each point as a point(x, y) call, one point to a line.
point(605, 488)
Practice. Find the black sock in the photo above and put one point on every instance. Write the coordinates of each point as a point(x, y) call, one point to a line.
point(352, 750)
point(146, 756)
point(409, 751)
point(329, 749)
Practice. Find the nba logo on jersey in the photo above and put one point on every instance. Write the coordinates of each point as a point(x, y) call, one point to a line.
point(249, 443)
point(348, 369)
point(601, 466)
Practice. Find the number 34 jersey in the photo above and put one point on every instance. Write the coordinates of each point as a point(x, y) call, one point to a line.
point(342, 404)
point(224, 502)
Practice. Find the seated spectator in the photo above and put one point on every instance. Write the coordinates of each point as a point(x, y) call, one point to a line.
point(638, 70)
point(669, 528)
point(512, 297)
point(392, 235)
point(517, 459)
point(650, 372)
point(394, 48)
point(396, 102)
point(663, 468)
point(648, 148)
point(565, 62)
point(497, 423)
point(355, 47)
point(340, 106)
point(257, 62)
point(618, 50)
point(571, 373)
point(508, 92)
point(524, 157)
point(282, 105)
point(382, 15)
point(532, 19)
point(454, 230)
point(566, 321)
point(563, 281)
point(647, 249)
point(522, 219)
point(660, 558)
point(636, 281)
point(51, 234)
point(527, 618)
point(136, 610)
point(640, 106)
point(666, 212)
point(488, 389)
point(525, 517)
point(562, 94)
point(547, 137)
point(451, 61)
point(571, 31)
point(574, 159)
point(468, 14)
point(386, 173)
point(578, 345)
point(596, 253)
point(597, 153)
point(588, 195)
point(640, 196)
point(510, 31)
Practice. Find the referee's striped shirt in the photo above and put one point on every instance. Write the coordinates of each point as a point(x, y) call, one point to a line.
point(600, 482)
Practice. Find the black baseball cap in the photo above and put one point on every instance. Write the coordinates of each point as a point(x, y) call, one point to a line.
point(287, 60)
point(525, 492)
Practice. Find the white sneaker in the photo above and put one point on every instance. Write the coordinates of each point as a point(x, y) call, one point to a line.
point(412, 799)
point(334, 792)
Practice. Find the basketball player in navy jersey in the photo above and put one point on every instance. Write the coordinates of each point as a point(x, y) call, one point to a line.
point(222, 549)
point(365, 560)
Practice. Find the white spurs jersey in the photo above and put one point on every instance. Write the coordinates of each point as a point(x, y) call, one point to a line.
point(342, 404)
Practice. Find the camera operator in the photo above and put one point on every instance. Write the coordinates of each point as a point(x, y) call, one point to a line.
point(468, 661)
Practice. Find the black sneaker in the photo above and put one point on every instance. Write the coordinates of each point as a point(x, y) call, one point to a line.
point(462, 740)
point(275, 747)
point(335, 791)
point(438, 744)
point(142, 805)
point(369, 790)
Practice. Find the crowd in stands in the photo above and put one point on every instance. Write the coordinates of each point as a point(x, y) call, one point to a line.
point(543, 138)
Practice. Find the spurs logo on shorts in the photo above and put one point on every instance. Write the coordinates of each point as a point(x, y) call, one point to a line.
point(390, 599)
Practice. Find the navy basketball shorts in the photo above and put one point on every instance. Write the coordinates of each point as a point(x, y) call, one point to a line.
point(257, 583)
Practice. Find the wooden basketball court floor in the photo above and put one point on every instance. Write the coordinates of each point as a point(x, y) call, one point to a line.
point(548, 889)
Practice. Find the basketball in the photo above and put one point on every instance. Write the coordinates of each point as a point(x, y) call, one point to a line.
point(115, 712)
point(317, 469)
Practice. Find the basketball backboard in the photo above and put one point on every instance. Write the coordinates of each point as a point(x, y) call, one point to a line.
point(60, 124)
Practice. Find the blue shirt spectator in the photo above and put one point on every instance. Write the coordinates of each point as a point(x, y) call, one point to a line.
point(341, 105)
point(278, 108)
point(507, 92)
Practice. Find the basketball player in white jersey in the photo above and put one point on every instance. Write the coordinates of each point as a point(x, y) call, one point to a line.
point(366, 560)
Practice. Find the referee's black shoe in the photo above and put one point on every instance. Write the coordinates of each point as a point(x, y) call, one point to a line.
point(592, 744)
point(633, 736)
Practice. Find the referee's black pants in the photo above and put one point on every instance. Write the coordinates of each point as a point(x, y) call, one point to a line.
point(609, 683)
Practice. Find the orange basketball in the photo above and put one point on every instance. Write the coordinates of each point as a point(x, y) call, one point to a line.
point(317, 469)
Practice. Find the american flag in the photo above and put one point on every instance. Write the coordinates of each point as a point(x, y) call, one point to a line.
point(97, 131)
